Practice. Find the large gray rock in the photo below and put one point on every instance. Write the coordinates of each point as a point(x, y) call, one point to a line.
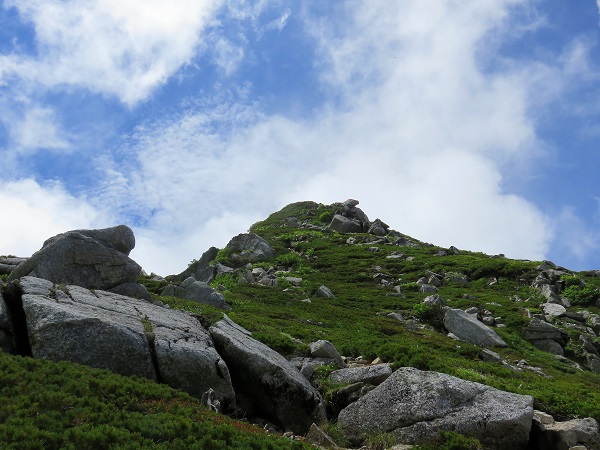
point(343, 224)
point(549, 292)
point(414, 406)
point(325, 349)
point(469, 329)
point(8, 264)
point(550, 346)
point(198, 291)
point(201, 270)
point(122, 334)
point(546, 336)
point(273, 386)
point(565, 435)
point(95, 259)
point(375, 374)
point(553, 310)
point(249, 247)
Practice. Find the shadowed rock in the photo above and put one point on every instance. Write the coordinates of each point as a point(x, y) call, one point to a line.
point(275, 388)
point(95, 259)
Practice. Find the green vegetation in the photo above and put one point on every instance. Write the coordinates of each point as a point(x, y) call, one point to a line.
point(449, 440)
point(46, 405)
point(356, 321)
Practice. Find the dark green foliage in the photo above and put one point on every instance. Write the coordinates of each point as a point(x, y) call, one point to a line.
point(448, 440)
point(153, 286)
point(46, 406)
point(355, 321)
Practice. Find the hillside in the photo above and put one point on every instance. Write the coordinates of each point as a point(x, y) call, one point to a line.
point(379, 283)
point(356, 321)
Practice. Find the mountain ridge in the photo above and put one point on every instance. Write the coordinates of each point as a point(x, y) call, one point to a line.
point(389, 296)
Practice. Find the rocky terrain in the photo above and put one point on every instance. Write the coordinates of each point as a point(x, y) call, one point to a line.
point(326, 328)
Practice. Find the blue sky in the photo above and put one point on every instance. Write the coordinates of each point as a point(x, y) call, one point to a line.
point(458, 122)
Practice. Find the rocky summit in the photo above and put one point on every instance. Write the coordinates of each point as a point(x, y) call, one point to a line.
point(318, 327)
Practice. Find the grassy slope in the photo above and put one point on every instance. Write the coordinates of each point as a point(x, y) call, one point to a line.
point(355, 320)
point(61, 405)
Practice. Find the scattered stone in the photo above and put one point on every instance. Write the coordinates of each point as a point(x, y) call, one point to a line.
point(249, 247)
point(294, 281)
point(200, 270)
point(565, 435)
point(317, 436)
point(588, 345)
point(396, 316)
point(489, 321)
point(413, 406)
point(378, 228)
point(434, 300)
point(595, 323)
point(593, 362)
point(469, 329)
point(396, 255)
point(324, 291)
point(553, 310)
point(326, 349)
point(372, 374)
point(427, 289)
point(546, 336)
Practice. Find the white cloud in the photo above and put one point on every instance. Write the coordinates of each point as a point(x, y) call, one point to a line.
point(36, 212)
point(37, 129)
point(170, 254)
point(279, 23)
point(125, 48)
point(420, 134)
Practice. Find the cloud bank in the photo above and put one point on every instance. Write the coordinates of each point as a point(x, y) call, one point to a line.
point(125, 48)
point(416, 129)
point(422, 116)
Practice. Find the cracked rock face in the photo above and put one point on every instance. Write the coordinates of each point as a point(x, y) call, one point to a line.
point(414, 406)
point(125, 335)
point(270, 382)
point(96, 259)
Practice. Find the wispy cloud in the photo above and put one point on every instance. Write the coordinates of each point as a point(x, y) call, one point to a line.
point(124, 48)
point(37, 129)
point(419, 115)
point(417, 131)
point(39, 212)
